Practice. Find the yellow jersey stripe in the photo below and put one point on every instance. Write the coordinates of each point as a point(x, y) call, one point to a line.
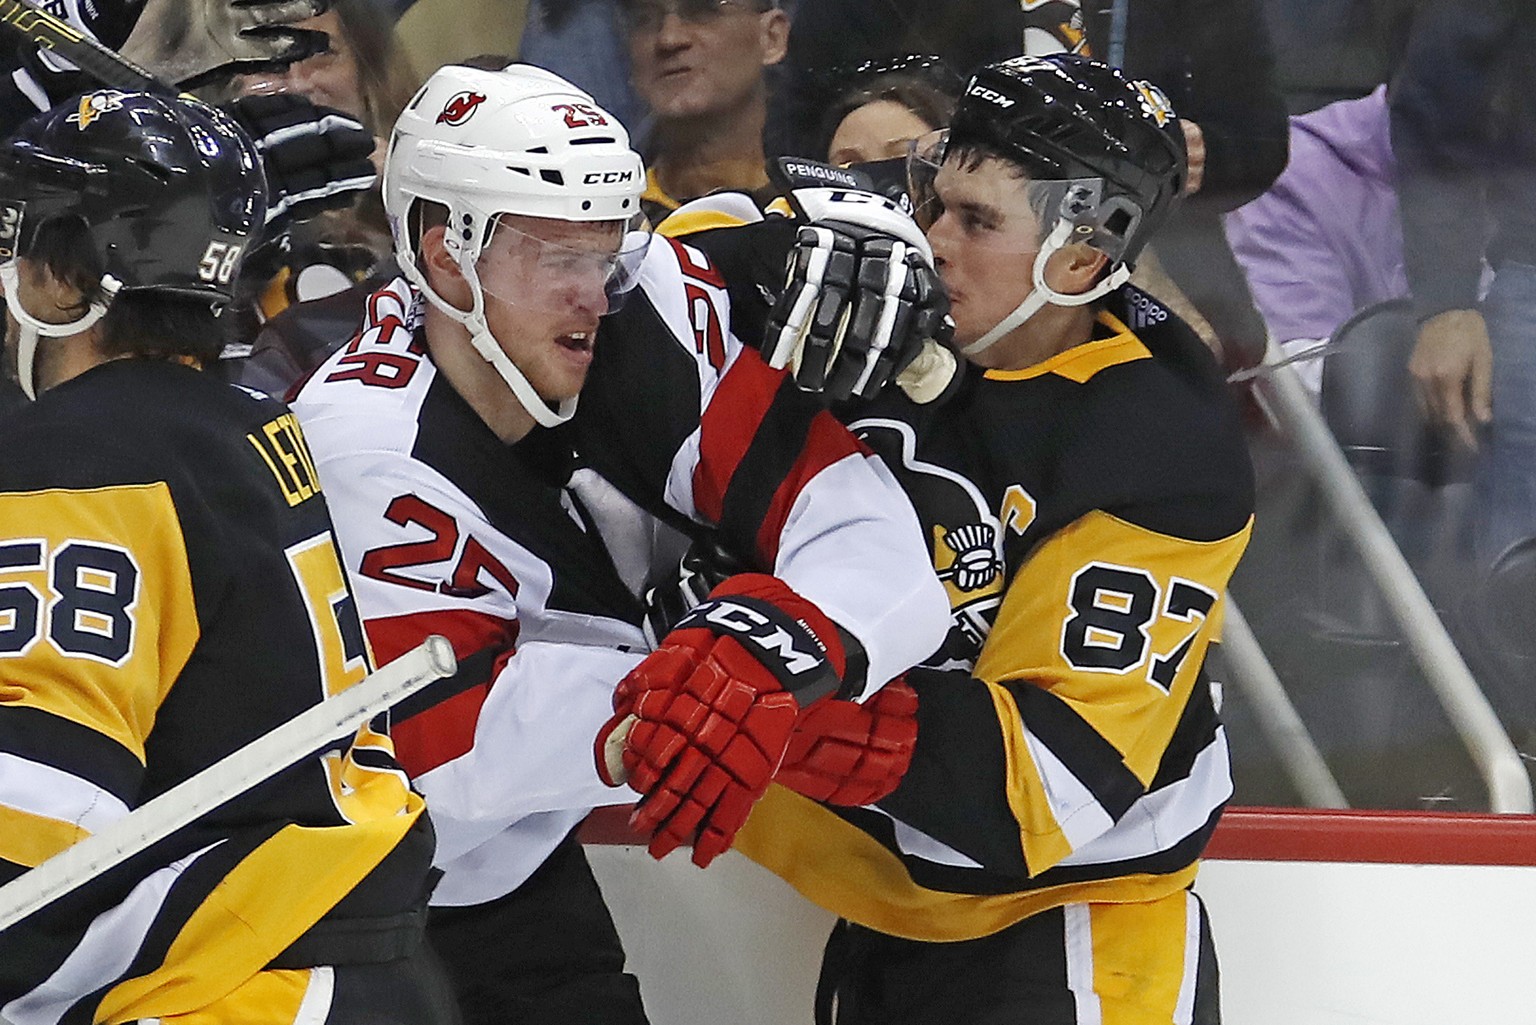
point(276, 893)
point(1081, 362)
point(841, 868)
point(30, 839)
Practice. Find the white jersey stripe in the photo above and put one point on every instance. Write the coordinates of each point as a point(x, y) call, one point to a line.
point(1077, 930)
point(1184, 1009)
point(1162, 818)
point(43, 790)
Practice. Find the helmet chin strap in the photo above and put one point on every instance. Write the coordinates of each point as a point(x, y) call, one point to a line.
point(1043, 294)
point(33, 330)
point(486, 345)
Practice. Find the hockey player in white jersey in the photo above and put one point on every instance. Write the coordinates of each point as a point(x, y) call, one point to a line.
point(454, 453)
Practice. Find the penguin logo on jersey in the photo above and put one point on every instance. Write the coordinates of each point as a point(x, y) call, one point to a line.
point(965, 536)
point(976, 560)
point(460, 108)
point(1054, 26)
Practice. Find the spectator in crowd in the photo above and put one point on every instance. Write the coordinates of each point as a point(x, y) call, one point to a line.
point(1463, 113)
point(455, 410)
point(196, 602)
point(884, 107)
point(699, 65)
point(1325, 240)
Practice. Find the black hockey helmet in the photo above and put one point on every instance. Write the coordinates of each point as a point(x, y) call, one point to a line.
point(170, 190)
point(1065, 118)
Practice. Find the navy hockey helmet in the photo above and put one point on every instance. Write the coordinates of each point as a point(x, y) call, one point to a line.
point(1104, 155)
point(1068, 118)
point(170, 191)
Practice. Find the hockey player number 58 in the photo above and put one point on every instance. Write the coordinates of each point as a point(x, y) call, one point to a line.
point(88, 610)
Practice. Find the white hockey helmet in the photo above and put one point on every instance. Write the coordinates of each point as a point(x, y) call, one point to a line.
point(519, 141)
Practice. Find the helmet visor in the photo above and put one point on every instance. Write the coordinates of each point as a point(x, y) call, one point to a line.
point(987, 202)
point(553, 266)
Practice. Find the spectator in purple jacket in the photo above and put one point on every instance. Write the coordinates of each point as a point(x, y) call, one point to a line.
point(1325, 240)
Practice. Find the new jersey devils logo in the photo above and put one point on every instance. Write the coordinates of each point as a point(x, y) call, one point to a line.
point(460, 108)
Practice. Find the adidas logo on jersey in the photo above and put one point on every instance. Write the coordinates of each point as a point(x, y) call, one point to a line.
point(1145, 311)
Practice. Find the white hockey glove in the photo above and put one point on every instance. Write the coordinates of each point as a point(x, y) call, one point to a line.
point(861, 301)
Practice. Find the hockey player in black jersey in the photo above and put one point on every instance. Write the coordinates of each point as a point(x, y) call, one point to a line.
point(169, 591)
point(543, 367)
point(1085, 495)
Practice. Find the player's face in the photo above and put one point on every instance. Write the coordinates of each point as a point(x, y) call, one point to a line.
point(696, 58)
point(875, 131)
point(984, 242)
point(545, 284)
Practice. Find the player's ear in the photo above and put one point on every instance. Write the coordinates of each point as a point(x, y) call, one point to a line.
point(441, 267)
point(1074, 269)
point(775, 36)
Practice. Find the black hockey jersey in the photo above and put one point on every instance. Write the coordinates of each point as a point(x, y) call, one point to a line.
point(1084, 515)
point(169, 591)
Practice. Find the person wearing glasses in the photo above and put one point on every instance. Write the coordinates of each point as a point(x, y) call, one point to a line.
point(701, 68)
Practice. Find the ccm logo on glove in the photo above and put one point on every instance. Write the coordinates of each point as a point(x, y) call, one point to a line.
point(789, 657)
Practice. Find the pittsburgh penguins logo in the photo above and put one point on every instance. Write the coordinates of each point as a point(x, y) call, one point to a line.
point(460, 108)
point(1154, 102)
point(964, 535)
point(1054, 26)
point(93, 105)
point(976, 562)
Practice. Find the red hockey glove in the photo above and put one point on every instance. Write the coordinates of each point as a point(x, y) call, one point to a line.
point(842, 752)
point(713, 709)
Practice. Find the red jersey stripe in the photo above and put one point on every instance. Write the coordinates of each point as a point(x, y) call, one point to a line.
point(727, 428)
point(446, 730)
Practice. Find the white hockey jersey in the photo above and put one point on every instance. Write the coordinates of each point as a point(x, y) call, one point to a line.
point(445, 529)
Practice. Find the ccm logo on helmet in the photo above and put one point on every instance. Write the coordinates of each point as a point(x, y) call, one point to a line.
point(990, 95)
point(607, 177)
point(460, 108)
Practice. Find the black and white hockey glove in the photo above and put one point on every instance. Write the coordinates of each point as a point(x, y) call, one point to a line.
point(316, 158)
point(861, 299)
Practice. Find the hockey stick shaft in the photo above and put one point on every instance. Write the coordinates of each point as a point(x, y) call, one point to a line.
point(26, 20)
point(306, 733)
